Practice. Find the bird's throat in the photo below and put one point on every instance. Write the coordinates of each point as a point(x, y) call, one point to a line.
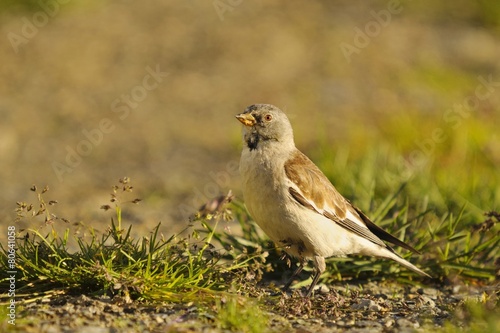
point(253, 140)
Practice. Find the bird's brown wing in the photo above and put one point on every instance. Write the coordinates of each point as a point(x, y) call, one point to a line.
point(314, 191)
point(313, 185)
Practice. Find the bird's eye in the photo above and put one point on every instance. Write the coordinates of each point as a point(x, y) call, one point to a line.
point(268, 117)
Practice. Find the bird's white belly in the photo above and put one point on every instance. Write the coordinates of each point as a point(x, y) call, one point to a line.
point(298, 230)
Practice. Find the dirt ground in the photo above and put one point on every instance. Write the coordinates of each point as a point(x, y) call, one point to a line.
point(370, 307)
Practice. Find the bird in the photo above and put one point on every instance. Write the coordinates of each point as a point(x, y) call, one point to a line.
point(296, 205)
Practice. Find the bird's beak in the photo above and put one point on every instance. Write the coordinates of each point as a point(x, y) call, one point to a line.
point(246, 119)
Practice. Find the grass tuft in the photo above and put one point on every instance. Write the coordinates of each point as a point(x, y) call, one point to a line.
point(113, 263)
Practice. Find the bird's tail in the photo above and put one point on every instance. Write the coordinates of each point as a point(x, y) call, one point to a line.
point(394, 256)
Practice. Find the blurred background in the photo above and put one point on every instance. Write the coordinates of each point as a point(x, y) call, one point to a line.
point(92, 91)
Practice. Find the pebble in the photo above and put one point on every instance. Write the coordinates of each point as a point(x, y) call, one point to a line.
point(51, 329)
point(389, 322)
point(431, 291)
point(369, 324)
point(367, 304)
point(427, 301)
point(323, 289)
point(403, 322)
point(159, 319)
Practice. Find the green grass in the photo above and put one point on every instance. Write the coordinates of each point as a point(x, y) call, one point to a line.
point(475, 317)
point(240, 314)
point(112, 263)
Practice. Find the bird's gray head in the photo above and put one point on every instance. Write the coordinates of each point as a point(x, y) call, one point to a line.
point(265, 124)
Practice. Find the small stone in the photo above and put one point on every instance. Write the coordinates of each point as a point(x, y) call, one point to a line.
point(456, 289)
point(431, 291)
point(367, 304)
point(350, 322)
point(389, 323)
point(323, 289)
point(427, 301)
point(374, 307)
point(363, 304)
point(368, 324)
point(410, 304)
point(300, 322)
point(403, 322)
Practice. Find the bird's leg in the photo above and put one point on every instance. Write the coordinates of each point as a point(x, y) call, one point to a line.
point(313, 283)
point(294, 274)
point(319, 267)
